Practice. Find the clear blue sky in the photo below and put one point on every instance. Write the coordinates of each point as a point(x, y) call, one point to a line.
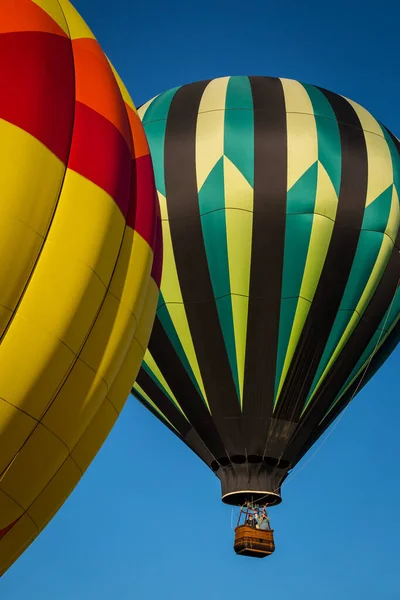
point(118, 536)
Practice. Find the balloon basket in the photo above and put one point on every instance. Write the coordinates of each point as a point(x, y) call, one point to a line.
point(253, 542)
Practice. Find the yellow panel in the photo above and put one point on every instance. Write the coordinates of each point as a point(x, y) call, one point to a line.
point(301, 130)
point(55, 493)
point(20, 242)
point(240, 309)
point(239, 227)
point(380, 170)
point(296, 98)
point(394, 217)
point(368, 122)
point(53, 9)
point(320, 239)
point(15, 427)
point(169, 280)
point(163, 205)
point(210, 128)
point(94, 436)
point(76, 403)
point(30, 178)
point(10, 511)
point(129, 369)
point(15, 542)
point(178, 316)
point(5, 315)
point(123, 383)
point(109, 340)
point(76, 25)
point(34, 466)
point(214, 95)
point(238, 191)
point(131, 275)
point(88, 225)
point(63, 296)
point(145, 324)
point(173, 297)
point(302, 146)
point(32, 366)
point(326, 200)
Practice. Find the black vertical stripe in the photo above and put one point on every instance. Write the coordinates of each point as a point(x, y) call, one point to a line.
point(268, 240)
point(338, 263)
point(183, 389)
point(192, 265)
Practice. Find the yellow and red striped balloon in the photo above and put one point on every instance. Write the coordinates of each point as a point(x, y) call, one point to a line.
point(80, 258)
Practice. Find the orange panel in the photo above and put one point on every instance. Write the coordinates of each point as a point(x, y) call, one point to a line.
point(96, 86)
point(24, 15)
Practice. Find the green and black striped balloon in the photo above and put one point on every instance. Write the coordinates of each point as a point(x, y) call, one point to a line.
point(280, 291)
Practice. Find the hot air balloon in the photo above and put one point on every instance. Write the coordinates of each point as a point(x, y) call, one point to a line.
point(280, 289)
point(80, 253)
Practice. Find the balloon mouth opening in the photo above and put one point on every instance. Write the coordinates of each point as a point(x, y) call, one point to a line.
point(240, 497)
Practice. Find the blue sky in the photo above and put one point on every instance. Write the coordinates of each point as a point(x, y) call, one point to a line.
point(119, 535)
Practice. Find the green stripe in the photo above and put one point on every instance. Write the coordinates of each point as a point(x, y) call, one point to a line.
point(155, 123)
point(159, 108)
point(300, 199)
point(368, 248)
point(329, 144)
point(239, 127)
point(377, 213)
point(213, 221)
point(301, 196)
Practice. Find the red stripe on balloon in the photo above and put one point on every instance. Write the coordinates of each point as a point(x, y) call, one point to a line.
point(100, 153)
point(143, 214)
point(37, 87)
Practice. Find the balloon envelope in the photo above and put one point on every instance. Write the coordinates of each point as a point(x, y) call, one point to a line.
point(78, 277)
point(280, 289)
